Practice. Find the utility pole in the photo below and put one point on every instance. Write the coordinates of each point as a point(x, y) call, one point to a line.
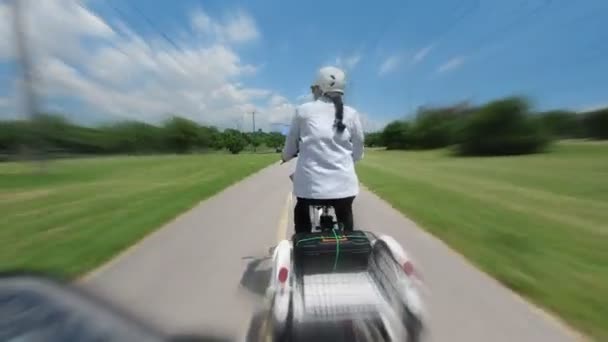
point(23, 56)
point(253, 135)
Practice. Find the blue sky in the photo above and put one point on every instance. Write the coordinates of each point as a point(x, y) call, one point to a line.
point(398, 55)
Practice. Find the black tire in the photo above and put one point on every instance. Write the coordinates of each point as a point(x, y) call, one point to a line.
point(411, 322)
point(414, 327)
point(285, 334)
point(257, 327)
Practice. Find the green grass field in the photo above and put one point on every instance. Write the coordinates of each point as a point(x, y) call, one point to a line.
point(82, 212)
point(538, 223)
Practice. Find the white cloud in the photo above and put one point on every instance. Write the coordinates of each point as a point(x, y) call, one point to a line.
point(348, 62)
point(591, 108)
point(46, 19)
point(121, 73)
point(239, 27)
point(281, 113)
point(202, 22)
point(451, 65)
point(277, 100)
point(304, 98)
point(421, 54)
point(370, 124)
point(390, 64)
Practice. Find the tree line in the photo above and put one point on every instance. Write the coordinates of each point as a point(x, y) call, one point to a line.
point(52, 133)
point(501, 127)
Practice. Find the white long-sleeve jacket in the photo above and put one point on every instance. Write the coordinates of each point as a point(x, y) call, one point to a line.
point(325, 167)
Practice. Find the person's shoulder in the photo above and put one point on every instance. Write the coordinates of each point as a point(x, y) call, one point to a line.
point(307, 107)
point(312, 104)
point(350, 111)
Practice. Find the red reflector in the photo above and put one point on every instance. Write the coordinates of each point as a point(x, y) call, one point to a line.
point(408, 268)
point(283, 272)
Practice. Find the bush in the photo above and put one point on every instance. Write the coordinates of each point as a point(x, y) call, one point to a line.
point(374, 139)
point(397, 135)
point(596, 124)
point(131, 137)
point(275, 140)
point(14, 135)
point(234, 141)
point(435, 128)
point(562, 124)
point(181, 134)
point(502, 127)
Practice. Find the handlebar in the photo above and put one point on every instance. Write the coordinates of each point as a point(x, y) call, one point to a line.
point(283, 161)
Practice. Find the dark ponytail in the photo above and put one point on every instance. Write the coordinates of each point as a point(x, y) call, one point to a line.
point(336, 98)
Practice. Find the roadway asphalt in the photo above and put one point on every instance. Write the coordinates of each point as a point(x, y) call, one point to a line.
point(205, 270)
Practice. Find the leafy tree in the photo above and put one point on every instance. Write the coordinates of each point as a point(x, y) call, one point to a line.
point(397, 135)
point(596, 124)
point(433, 129)
point(13, 135)
point(209, 137)
point(234, 141)
point(275, 140)
point(374, 139)
point(134, 137)
point(503, 127)
point(256, 138)
point(562, 123)
point(181, 134)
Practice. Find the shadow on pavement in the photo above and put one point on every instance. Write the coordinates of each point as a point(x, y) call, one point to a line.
point(256, 275)
point(255, 280)
point(258, 327)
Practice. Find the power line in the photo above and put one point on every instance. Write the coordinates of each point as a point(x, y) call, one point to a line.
point(80, 2)
point(124, 17)
point(518, 22)
point(468, 10)
point(152, 25)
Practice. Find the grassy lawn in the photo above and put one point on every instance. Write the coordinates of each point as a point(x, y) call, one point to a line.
point(537, 223)
point(81, 212)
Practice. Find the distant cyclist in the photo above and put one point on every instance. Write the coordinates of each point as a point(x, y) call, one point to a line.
point(328, 139)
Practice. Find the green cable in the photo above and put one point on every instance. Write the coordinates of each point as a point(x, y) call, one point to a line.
point(337, 249)
point(337, 243)
point(309, 239)
point(323, 237)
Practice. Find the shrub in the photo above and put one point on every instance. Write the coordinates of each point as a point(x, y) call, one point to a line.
point(397, 135)
point(374, 139)
point(502, 127)
point(437, 128)
point(275, 140)
point(562, 124)
point(234, 141)
point(596, 124)
point(181, 134)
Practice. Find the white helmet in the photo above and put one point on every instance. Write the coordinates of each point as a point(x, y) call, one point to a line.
point(331, 79)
